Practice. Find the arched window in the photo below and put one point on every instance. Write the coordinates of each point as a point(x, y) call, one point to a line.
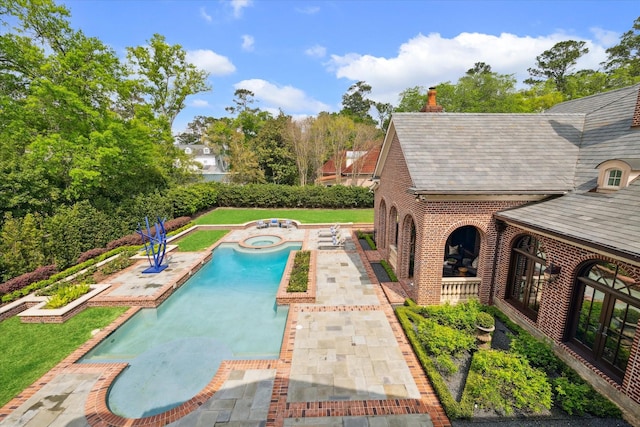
point(526, 278)
point(606, 309)
point(412, 248)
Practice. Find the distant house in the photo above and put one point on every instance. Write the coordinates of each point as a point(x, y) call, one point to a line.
point(538, 214)
point(357, 169)
point(212, 167)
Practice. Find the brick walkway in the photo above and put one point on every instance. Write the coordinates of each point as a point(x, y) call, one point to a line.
point(344, 362)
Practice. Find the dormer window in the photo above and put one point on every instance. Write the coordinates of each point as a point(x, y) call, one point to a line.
point(206, 150)
point(187, 150)
point(616, 174)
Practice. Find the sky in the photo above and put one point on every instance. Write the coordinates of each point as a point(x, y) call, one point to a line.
point(301, 57)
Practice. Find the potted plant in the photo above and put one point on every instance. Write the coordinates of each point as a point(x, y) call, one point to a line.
point(485, 325)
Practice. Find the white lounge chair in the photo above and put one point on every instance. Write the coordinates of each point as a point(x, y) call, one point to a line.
point(332, 231)
point(261, 224)
point(287, 224)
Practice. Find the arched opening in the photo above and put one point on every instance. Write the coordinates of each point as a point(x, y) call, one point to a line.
point(412, 248)
point(461, 252)
point(393, 231)
point(526, 278)
point(381, 237)
point(606, 309)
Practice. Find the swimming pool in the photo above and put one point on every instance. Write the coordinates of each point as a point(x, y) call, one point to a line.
point(226, 311)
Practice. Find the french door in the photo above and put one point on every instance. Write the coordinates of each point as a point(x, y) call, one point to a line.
point(605, 322)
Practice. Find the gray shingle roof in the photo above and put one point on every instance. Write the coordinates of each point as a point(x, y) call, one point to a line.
point(498, 153)
point(607, 131)
point(610, 220)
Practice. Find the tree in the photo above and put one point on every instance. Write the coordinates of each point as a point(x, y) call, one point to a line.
point(21, 247)
point(243, 162)
point(412, 99)
point(557, 62)
point(384, 110)
point(365, 138)
point(300, 134)
point(480, 90)
point(275, 152)
point(355, 103)
point(196, 129)
point(167, 78)
point(623, 61)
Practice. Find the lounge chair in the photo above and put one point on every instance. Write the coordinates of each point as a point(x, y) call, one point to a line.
point(274, 222)
point(287, 224)
point(261, 224)
point(337, 242)
point(332, 231)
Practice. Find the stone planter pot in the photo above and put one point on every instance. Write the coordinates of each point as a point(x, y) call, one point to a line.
point(483, 336)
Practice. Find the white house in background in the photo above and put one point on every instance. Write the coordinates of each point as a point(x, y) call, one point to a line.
point(211, 166)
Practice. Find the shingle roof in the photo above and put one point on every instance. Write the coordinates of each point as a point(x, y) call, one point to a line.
point(609, 220)
point(607, 131)
point(499, 153)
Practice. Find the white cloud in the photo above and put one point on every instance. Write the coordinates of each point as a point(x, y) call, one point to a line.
point(211, 62)
point(316, 51)
point(309, 10)
point(247, 42)
point(205, 15)
point(289, 99)
point(199, 103)
point(432, 59)
point(238, 6)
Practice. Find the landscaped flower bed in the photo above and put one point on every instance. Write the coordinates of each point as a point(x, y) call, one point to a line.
point(518, 376)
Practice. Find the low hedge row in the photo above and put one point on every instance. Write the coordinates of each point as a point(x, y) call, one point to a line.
point(299, 279)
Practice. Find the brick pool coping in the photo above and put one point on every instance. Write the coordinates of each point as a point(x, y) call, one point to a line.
point(98, 414)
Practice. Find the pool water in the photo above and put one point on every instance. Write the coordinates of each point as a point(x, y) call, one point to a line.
point(226, 311)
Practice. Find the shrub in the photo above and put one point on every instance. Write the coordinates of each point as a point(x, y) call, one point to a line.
point(24, 280)
point(485, 320)
point(576, 397)
point(443, 343)
point(389, 270)
point(299, 279)
point(460, 316)
point(538, 353)
point(67, 294)
point(91, 253)
point(505, 382)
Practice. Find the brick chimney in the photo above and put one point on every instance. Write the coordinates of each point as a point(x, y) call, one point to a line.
point(432, 105)
point(635, 123)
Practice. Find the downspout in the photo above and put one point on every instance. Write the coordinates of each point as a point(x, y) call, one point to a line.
point(500, 227)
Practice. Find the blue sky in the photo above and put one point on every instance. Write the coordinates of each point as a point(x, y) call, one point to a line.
point(302, 56)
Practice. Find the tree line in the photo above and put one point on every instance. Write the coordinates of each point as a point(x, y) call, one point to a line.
point(84, 130)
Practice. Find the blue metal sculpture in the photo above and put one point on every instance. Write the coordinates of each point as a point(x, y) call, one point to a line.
point(154, 245)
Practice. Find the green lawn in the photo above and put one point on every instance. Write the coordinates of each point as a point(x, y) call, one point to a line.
point(307, 216)
point(29, 350)
point(200, 240)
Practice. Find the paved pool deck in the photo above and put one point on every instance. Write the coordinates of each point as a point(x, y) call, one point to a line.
point(344, 359)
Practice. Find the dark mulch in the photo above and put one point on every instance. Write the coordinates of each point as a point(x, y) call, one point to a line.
point(380, 272)
point(364, 244)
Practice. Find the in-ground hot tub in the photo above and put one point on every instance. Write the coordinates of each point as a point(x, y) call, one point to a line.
point(262, 241)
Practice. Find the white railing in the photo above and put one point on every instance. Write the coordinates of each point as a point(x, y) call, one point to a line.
point(459, 289)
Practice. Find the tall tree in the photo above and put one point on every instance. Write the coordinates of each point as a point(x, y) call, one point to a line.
point(168, 79)
point(275, 152)
point(300, 134)
point(384, 110)
point(412, 99)
point(623, 61)
point(356, 104)
point(480, 90)
point(557, 62)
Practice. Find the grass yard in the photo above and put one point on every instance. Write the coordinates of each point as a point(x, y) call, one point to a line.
point(200, 240)
point(307, 216)
point(29, 350)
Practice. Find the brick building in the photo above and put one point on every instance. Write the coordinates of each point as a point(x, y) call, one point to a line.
point(538, 214)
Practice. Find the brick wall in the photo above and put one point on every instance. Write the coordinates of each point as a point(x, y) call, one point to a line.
point(434, 222)
point(636, 114)
point(555, 306)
